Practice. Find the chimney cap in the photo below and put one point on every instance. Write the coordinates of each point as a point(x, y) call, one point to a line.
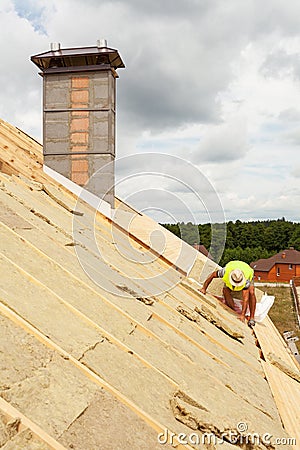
point(102, 43)
point(54, 46)
point(79, 57)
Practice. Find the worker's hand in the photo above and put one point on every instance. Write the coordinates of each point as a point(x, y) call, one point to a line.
point(202, 290)
point(242, 318)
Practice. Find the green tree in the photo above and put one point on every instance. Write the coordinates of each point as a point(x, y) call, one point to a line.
point(174, 228)
point(189, 233)
point(247, 241)
point(277, 235)
point(205, 234)
point(295, 237)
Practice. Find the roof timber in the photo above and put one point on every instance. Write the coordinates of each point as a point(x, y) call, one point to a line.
point(286, 391)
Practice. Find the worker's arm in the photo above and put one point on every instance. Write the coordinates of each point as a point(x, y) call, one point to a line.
point(208, 281)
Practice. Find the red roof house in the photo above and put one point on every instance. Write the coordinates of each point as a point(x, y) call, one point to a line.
point(281, 267)
point(202, 249)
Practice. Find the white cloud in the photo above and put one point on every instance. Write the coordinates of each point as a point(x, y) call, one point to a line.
point(296, 171)
point(223, 143)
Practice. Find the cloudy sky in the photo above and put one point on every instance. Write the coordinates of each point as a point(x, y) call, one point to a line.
point(208, 105)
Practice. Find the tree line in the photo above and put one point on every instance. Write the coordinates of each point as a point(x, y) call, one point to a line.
point(246, 241)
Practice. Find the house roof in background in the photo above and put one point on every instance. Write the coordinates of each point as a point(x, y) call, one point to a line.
point(202, 249)
point(288, 256)
point(106, 343)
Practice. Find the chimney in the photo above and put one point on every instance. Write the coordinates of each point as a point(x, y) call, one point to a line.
point(79, 91)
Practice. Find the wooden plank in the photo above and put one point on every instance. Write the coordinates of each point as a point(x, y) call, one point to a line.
point(270, 341)
point(292, 358)
point(173, 249)
point(20, 136)
point(286, 393)
point(12, 413)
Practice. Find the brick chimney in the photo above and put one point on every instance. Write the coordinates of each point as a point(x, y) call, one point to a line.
point(79, 92)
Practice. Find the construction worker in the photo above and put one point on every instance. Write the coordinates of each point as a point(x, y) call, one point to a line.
point(237, 276)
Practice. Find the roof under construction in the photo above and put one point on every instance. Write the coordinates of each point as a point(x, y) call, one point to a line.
point(110, 356)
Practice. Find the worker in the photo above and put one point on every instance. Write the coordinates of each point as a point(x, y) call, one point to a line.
point(237, 276)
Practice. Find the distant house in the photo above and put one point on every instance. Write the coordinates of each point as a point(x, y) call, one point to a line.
point(202, 249)
point(278, 268)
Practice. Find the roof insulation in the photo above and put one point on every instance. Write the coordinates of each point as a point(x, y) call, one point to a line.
point(106, 344)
